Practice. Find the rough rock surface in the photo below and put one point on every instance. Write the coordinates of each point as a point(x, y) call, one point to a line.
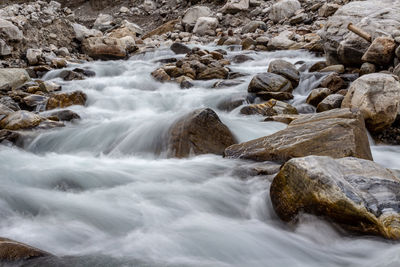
point(13, 251)
point(199, 132)
point(337, 133)
point(378, 98)
point(357, 194)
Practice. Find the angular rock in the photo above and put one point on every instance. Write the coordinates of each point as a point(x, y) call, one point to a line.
point(269, 108)
point(63, 100)
point(367, 68)
point(5, 50)
point(317, 95)
point(21, 119)
point(269, 82)
point(205, 26)
point(234, 6)
point(164, 28)
point(336, 133)
point(193, 14)
point(285, 69)
point(160, 75)
point(252, 26)
point(328, 9)
point(81, 32)
point(33, 56)
point(199, 132)
point(9, 31)
point(357, 194)
point(283, 9)
point(330, 102)
point(13, 77)
point(213, 73)
point(282, 41)
point(380, 52)
point(334, 68)
point(377, 96)
point(65, 115)
point(333, 82)
point(103, 22)
point(104, 48)
point(275, 95)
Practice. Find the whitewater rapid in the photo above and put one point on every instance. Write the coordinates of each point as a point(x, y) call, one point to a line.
point(101, 192)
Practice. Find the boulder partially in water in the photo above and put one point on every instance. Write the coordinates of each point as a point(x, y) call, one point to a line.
point(63, 100)
point(357, 194)
point(337, 133)
point(285, 69)
point(13, 251)
point(21, 119)
point(269, 82)
point(269, 108)
point(199, 132)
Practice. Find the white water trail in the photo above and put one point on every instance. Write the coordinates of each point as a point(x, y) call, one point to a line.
point(101, 191)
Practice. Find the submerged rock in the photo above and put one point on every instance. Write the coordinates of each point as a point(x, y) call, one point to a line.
point(337, 133)
point(199, 132)
point(357, 194)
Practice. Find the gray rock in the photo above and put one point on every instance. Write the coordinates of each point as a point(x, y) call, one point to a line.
point(103, 22)
point(269, 82)
point(192, 14)
point(13, 77)
point(330, 102)
point(317, 95)
point(367, 68)
point(234, 6)
point(179, 48)
point(252, 26)
point(205, 26)
point(81, 32)
point(285, 69)
point(378, 98)
point(380, 52)
point(283, 9)
point(9, 31)
point(328, 9)
point(33, 56)
point(5, 50)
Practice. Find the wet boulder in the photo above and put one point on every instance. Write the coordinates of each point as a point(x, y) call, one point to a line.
point(70, 75)
point(269, 82)
point(160, 75)
point(65, 115)
point(333, 82)
point(359, 195)
point(337, 133)
point(13, 77)
point(21, 119)
point(213, 73)
point(285, 69)
point(317, 95)
point(377, 96)
point(179, 48)
point(269, 108)
point(13, 251)
point(199, 132)
point(330, 102)
point(104, 48)
point(63, 100)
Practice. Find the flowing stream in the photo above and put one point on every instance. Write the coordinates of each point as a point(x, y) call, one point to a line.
point(101, 192)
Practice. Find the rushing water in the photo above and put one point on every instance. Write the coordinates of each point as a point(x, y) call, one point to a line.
point(100, 192)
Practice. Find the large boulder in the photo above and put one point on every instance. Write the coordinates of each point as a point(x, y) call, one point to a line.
point(63, 100)
point(13, 251)
point(193, 14)
point(21, 119)
point(337, 133)
point(205, 25)
point(269, 82)
point(377, 96)
point(13, 77)
point(199, 132)
point(357, 194)
point(343, 46)
point(9, 31)
point(104, 48)
point(283, 9)
point(234, 6)
point(285, 69)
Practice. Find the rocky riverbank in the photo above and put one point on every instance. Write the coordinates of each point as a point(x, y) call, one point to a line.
point(327, 167)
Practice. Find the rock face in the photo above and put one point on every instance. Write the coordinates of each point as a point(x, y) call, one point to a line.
point(377, 96)
point(343, 46)
point(104, 48)
point(13, 251)
point(13, 77)
point(283, 9)
point(205, 25)
point(63, 100)
point(269, 82)
point(285, 69)
point(21, 119)
point(337, 133)
point(380, 52)
point(199, 132)
point(357, 194)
